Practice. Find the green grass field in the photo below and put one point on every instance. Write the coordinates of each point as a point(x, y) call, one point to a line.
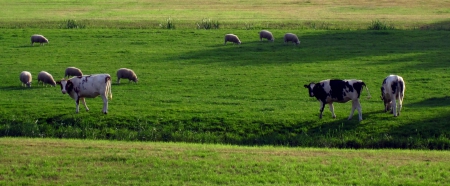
point(239, 114)
point(192, 88)
point(84, 162)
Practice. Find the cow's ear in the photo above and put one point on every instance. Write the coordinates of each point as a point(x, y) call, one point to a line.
point(306, 86)
point(58, 82)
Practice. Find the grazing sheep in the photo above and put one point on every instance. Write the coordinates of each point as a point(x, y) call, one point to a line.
point(46, 78)
point(38, 39)
point(232, 38)
point(73, 71)
point(126, 74)
point(291, 37)
point(266, 34)
point(25, 78)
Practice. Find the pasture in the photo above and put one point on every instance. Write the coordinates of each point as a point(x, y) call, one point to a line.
point(88, 162)
point(192, 88)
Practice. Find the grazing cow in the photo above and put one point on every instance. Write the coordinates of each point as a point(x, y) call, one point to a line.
point(393, 89)
point(341, 91)
point(88, 86)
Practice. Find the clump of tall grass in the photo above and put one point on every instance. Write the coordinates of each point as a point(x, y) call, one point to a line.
point(71, 24)
point(208, 24)
point(379, 25)
point(248, 26)
point(168, 24)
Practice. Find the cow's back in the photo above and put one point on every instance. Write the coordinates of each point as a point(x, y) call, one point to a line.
point(394, 85)
point(91, 85)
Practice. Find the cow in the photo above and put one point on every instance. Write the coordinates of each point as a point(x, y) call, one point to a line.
point(393, 89)
point(88, 86)
point(341, 91)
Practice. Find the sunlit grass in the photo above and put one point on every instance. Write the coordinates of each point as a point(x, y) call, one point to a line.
point(231, 14)
point(46, 161)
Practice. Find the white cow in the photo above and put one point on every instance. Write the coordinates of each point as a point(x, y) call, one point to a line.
point(393, 89)
point(88, 86)
point(341, 91)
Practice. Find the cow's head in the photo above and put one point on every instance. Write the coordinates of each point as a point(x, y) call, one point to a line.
point(386, 100)
point(310, 88)
point(66, 86)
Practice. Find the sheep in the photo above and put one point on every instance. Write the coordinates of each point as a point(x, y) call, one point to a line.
point(266, 34)
point(126, 74)
point(73, 71)
point(291, 37)
point(46, 78)
point(25, 78)
point(38, 39)
point(232, 38)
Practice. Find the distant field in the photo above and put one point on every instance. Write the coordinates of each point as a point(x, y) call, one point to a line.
point(84, 162)
point(245, 14)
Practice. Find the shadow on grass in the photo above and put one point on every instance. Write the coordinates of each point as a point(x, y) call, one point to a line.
point(402, 46)
point(10, 88)
point(26, 46)
point(443, 25)
point(431, 102)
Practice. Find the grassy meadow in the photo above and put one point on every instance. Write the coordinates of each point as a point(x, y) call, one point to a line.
point(243, 14)
point(192, 88)
point(86, 162)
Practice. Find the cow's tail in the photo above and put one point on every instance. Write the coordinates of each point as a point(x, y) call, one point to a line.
point(368, 96)
point(108, 87)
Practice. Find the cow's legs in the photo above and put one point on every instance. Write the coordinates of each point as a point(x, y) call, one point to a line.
point(105, 104)
point(332, 110)
point(77, 103)
point(118, 80)
point(400, 103)
point(394, 106)
point(322, 106)
point(356, 105)
point(84, 103)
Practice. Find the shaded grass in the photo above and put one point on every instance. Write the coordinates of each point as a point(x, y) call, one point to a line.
point(79, 162)
point(193, 88)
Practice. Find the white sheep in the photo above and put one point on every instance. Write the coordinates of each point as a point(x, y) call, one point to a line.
point(25, 78)
point(291, 37)
point(267, 35)
point(126, 74)
point(72, 71)
point(46, 78)
point(232, 38)
point(38, 39)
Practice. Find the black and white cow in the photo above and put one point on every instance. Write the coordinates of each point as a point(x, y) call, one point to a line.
point(393, 89)
point(341, 91)
point(88, 86)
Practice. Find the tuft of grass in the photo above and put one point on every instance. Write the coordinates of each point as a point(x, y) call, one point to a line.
point(380, 25)
point(208, 24)
point(72, 24)
point(168, 24)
